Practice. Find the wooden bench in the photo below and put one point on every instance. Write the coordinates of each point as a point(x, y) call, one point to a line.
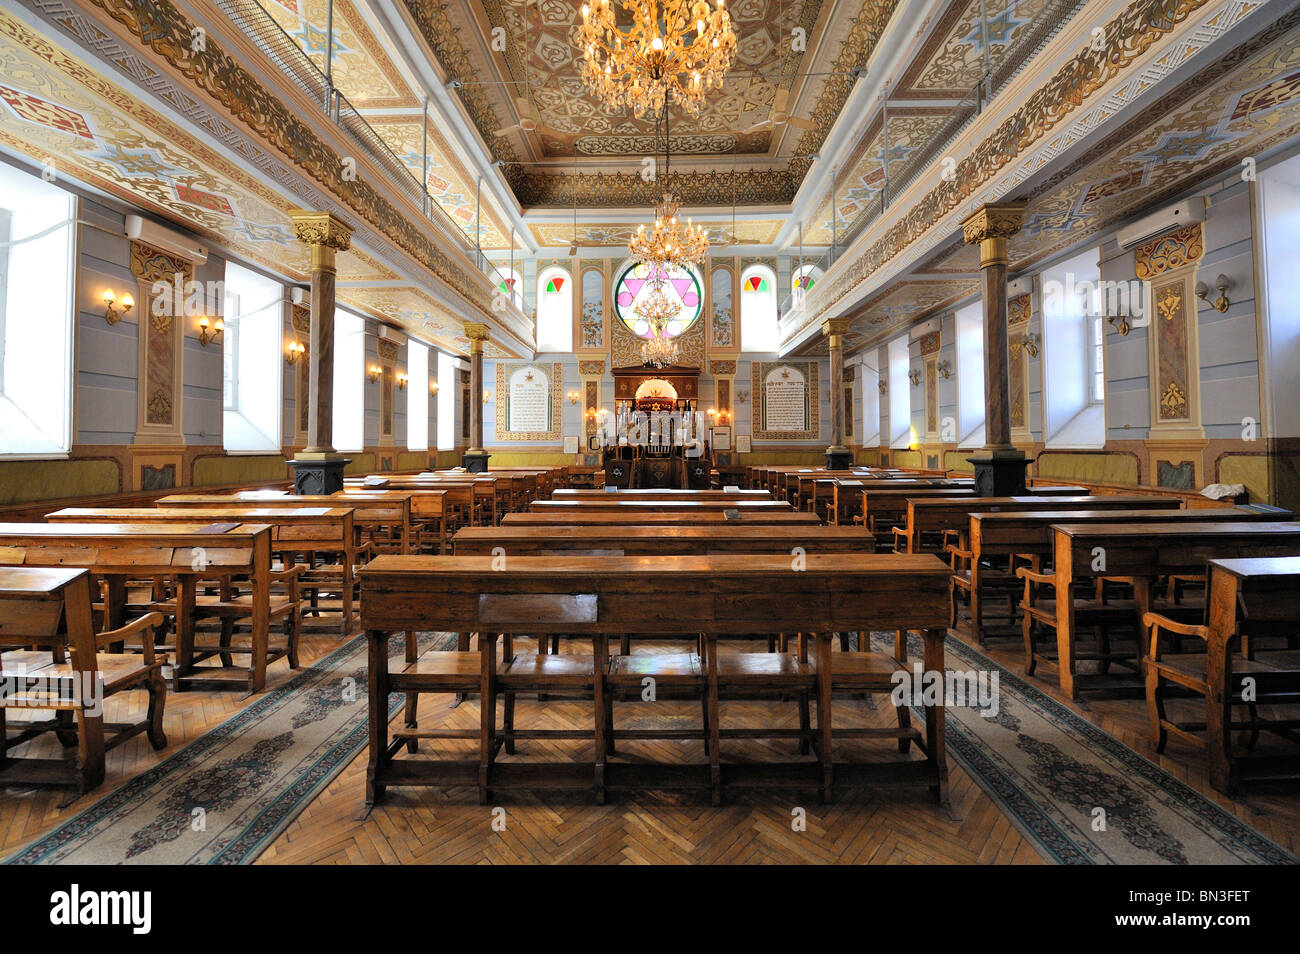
point(597, 504)
point(719, 595)
point(1249, 600)
point(1140, 553)
point(631, 540)
point(223, 554)
point(645, 493)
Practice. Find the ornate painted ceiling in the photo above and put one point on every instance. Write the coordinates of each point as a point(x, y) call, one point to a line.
point(55, 106)
point(1242, 105)
point(540, 64)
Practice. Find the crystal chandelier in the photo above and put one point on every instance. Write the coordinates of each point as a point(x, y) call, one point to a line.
point(640, 67)
point(656, 309)
point(668, 241)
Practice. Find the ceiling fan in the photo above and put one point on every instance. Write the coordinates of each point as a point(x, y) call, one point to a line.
point(528, 121)
point(780, 117)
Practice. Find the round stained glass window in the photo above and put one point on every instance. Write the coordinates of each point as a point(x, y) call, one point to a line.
point(680, 284)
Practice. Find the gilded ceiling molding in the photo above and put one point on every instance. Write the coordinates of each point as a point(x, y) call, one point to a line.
point(1126, 38)
point(162, 28)
point(1168, 252)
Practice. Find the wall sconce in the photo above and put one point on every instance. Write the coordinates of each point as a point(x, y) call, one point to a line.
point(1030, 343)
point(944, 368)
point(114, 315)
point(206, 335)
point(433, 387)
point(1120, 323)
point(487, 395)
point(574, 397)
point(1222, 283)
point(742, 397)
point(915, 377)
point(295, 351)
point(373, 372)
point(401, 382)
point(882, 387)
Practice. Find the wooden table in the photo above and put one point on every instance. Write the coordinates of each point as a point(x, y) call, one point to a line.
point(599, 596)
point(636, 540)
point(1243, 592)
point(1142, 552)
point(640, 517)
point(657, 506)
point(646, 493)
point(49, 606)
point(294, 530)
point(188, 552)
point(390, 509)
point(1002, 535)
point(934, 515)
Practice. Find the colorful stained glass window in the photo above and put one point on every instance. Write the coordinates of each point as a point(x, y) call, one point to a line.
point(554, 284)
point(681, 283)
point(756, 283)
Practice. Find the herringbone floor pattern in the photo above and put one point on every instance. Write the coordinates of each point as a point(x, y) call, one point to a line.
point(890, 825)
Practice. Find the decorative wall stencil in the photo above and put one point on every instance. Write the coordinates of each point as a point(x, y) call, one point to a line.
point(930, 344)
point(158, 478)
point(300, 320)
point(787, 405)
point(591, 367)
point(593, 308)
point(1165, 253)
point(931, 399)
point(387, 350)
point(723, 320)
point(529, 398)
point(724, 394)
point(161, 342)
point(1172, 378)
point(720, 367)
point(1019, 310)
point(386, 403)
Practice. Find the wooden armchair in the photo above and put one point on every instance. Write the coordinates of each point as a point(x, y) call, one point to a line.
point(1273, 677)
point(234, 603)
point(69, 684)
point(1041, 604)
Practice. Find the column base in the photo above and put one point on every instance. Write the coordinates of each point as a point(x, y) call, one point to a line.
point(319, 476)
point(838, 458)
point(999, 476)
point(475, 463)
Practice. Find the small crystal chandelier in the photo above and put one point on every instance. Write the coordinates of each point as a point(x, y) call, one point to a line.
point(640, 67)
point(668, 242)
point(656, 309)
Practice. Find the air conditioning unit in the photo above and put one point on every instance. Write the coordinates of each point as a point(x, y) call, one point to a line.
point(300, 296)
point(391, 334)
point(1021, 286)
point(918, 332)
point(1175, 216)
point(165, 239)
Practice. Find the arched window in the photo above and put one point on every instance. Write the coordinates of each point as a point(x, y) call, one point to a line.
point(511, 285)
point(802, 280)
point(554, 310)
point(758, 331)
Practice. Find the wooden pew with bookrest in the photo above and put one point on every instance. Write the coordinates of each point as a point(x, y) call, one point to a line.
point(718, 595)
point(930, 518)
point(985, 565)
point(433, 511)
point(646, 493)
point(635, 540)
point(1139, 553)
point(305, 531)
point(189, 554)
point(388, 511)
point(630, 516)
point(1250, 600)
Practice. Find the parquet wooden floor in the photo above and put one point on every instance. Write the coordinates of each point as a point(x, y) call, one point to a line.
point(886, 826)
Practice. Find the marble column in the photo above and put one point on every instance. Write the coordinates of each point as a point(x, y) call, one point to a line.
point(1000, 466)
point(838, 456)
point(475, 460)
point(318, 469)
